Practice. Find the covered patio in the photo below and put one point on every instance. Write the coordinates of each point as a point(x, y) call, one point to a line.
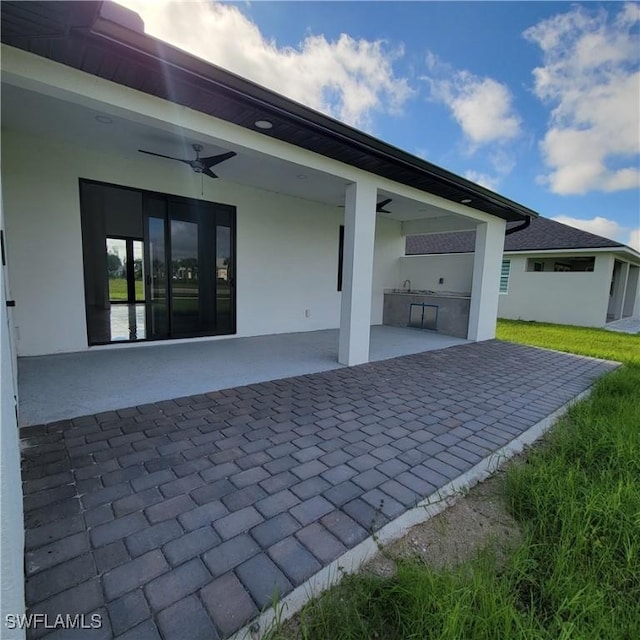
point(183, 518)
point(69, 385)
point(299, 239)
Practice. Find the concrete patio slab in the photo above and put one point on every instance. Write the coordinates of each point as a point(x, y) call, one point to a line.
point(182, 518)
point(626, 325)
point(102, 379)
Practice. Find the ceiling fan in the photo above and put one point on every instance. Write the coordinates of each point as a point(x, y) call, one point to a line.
point(198, 164)
point(380, 206)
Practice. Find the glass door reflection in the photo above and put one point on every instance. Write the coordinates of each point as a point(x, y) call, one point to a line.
point(185, 281)
point(157, 294)
point(224, 279)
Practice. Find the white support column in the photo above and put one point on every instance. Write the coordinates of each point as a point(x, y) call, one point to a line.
point(635, 292)
point(357, 272)
point(485, 287)
point(621, 291)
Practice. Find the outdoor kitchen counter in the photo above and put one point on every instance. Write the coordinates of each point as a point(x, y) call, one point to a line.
point(452, 310)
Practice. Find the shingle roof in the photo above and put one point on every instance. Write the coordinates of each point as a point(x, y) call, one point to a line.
point(542, 234)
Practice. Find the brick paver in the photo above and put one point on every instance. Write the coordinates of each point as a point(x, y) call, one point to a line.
point(185, 518)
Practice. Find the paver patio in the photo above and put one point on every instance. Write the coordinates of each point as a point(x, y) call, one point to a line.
point(181, 519)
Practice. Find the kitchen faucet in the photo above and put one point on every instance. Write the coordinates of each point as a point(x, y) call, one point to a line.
point(405, 283)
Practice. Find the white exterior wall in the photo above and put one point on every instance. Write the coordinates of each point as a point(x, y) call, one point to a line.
point(389, 246)
point(11, 528)
point(287, 248)
point(424, 272)
point(578, 298)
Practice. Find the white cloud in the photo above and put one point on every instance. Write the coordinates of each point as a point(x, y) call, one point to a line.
point(590, 78)
point(347, 78)
point(483, 179)
point(481, 106)
point(599, 225)
point(634, 239)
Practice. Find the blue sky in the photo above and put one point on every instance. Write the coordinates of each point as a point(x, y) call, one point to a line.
point(539, 101)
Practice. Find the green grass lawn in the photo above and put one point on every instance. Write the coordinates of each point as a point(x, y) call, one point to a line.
point(118, 289)
point(577, 499)
point(597, 343)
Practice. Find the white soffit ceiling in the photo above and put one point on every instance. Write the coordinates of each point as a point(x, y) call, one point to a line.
point(44, 116)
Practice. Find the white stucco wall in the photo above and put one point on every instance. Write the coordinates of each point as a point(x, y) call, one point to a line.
point(287, 248)
point(389, 247)
point(424, 272)
point(11, 518)
point(578, 298)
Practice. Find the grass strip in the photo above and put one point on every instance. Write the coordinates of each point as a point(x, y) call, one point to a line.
point(584, 341)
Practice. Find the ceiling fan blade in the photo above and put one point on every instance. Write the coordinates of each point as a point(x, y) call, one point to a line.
point(208, 172)
point(380, 207)
point(212, 161)
point(160, 155)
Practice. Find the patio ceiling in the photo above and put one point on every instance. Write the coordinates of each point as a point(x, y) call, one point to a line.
point(38, 115)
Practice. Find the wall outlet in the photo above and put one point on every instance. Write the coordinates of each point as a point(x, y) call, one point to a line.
point(307, 313)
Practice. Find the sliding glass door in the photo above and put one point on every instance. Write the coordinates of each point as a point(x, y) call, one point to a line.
point(155, 244)
point(225, 301)
point(189, 295)
point(179, 276)
point(126, 289)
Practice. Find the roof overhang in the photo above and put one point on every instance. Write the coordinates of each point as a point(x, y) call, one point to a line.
point(107, 41)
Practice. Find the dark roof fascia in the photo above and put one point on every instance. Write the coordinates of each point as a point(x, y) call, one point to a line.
point(273, 102)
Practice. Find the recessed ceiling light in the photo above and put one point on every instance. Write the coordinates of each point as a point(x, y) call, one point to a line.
point(301, 176)
point(465, 200)
point(104, 120)
point(263, 124)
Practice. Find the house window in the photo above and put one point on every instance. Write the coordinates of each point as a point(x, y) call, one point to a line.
point(566, 264)
point(505, 272)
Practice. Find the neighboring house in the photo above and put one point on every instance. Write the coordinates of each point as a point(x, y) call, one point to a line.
point(83, 90)
point(551, 272)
